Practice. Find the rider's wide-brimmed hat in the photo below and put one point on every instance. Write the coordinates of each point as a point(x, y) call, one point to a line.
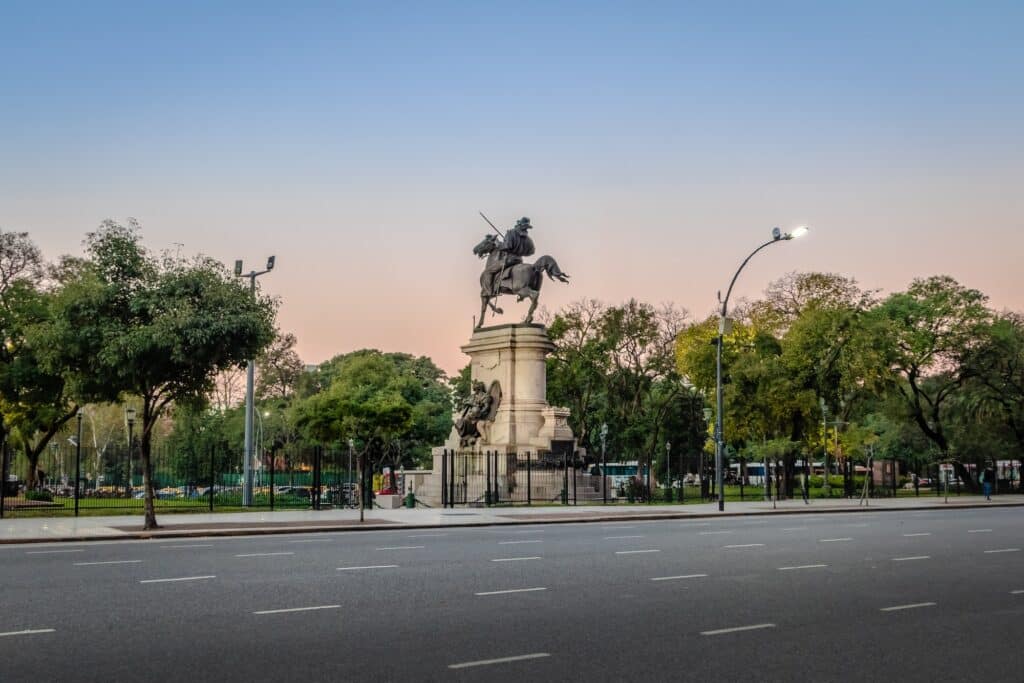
point(523, 222)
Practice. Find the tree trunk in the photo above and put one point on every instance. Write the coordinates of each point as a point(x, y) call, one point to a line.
point(148, 420)
point(965, 476)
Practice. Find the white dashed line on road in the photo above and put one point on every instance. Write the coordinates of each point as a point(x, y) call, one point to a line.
point(713, 533)
point(297, 609)
point(53, 552)
point(499, 660)
point(636, 552)
point(911, 558)
point(182, 578)
point(188, 545)
point(27, 632)
point(88, 564)
point(1002, 550)
point(312, 540)
point(745, 545)
point(516, 559)
point(512, 590)
point(924, 533)
point(403, 547)
point(834, 540)
point(1018, 592)
point(369, 566)
point(736, 629)
point(796, 528)
point(677, 578)
point(518, 542)
point(897, 608)
point(616, 538)
point(979, 531)
point(264, 554)
point(802, 566)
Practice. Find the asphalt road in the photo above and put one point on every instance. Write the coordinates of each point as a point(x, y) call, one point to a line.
point(929, 595)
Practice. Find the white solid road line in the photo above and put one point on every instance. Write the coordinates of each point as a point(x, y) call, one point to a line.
point(403, 547)
point(897, 608)
point(516, 559)
point(189, 545)
point(736, 629)
point(745, 545)
point(511, 590)
point(499, 660)
point(796, 528)
point(369, 566)
point(264, 554)
point(925, 533)
point(834, 540)
point(87, 564)
point(52, 552)
point(979, 531)
point(802, 566)
point(636, 552)
point(182, 578)
point(1002, 550)
point(27, 632)
point(518, 542)
point(297, 609)
point(1018, 592)
point(914, 557)
point(616, 538)
point(676, 578)
point(712, 533)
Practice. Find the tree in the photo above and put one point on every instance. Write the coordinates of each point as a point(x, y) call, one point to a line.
point(278, 369)
point(156, 329)
point(927, 333)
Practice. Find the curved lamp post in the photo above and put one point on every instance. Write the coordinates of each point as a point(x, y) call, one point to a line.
point(777, 236)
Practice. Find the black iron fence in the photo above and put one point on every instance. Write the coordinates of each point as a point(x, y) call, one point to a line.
point(75, 481)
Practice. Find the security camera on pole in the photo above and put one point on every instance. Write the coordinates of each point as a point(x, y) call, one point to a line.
point(250, 371)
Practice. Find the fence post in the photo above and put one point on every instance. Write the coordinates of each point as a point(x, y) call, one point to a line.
point(444, 478)
point(272, 459)
point(529, 483)
point(487, 475)
point(497, 487)
point(574, 478)
point(3, 476)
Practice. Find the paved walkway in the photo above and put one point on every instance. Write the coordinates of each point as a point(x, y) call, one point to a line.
point(41, 529)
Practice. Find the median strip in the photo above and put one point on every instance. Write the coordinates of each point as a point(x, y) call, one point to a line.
point(511, 590)
point(181, 578)
point(897, 608)
point(736, 629)
point(499, 660)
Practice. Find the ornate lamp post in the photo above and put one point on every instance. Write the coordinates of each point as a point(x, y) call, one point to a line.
point(668, 463)
point(250, 370)
point(604, 462)
point(777, 236)
point(78, 458)
point(129, 416)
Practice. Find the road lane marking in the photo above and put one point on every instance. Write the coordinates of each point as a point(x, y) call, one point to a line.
point(499, 660)
point(27, 632)
point(979, 531)
point(712, 533)
point(312, 540)
point(911, 558)
point(618, 526)
point(1018, 592)
point(802, 566)
point(52, 552)
point(897, 608)
point(181, 578)
point(1002, 550)
point(615, 538)
point(924, 533)
point(297, 609)
point(369, 566)
point(796, 528)
point(636, 552)
point(403, 547)
point(189, 545)
point(736, 629)
point(516, 559)
point(427, 535)
point(264, 554)
point(518, 542)
point(676, 578)
point(87, 564)
point(745, 545)
point(511, 590)
point(834, 540)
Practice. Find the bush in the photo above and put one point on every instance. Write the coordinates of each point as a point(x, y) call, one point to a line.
point(39, 495)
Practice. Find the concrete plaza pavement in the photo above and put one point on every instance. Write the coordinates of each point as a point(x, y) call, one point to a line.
point(88, 528)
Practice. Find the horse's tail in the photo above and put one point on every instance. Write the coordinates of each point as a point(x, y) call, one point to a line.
point(547, 264)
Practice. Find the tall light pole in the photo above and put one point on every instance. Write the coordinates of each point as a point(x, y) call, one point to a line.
point(827, 489)
point(777, 236)
point(250, 372)
point(604, 462)
point(78, 458)
point(129, 416)
point(668, 463)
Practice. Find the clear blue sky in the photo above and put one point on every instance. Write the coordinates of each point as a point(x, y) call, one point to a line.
point(650, 142)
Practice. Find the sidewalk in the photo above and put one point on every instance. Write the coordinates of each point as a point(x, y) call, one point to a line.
point(43, 529)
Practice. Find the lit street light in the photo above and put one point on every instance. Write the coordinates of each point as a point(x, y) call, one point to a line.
point(777, 236)
point(250, 369)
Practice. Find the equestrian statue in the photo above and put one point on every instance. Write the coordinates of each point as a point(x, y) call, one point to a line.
point(505, 272)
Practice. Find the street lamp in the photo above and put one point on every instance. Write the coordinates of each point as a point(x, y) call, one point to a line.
point(668, 463)
point(250, 370)
point(604, 462)
point(129, 416)
point(777, 236)
point(78, 457)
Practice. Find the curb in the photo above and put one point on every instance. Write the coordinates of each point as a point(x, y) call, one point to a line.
point(642, 517)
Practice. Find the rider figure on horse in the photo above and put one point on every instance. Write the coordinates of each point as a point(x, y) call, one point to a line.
point(513, 248)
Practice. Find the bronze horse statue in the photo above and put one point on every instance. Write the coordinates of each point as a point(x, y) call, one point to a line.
point(522, 280)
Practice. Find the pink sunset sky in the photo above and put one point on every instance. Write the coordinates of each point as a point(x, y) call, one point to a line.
point(651, 148)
